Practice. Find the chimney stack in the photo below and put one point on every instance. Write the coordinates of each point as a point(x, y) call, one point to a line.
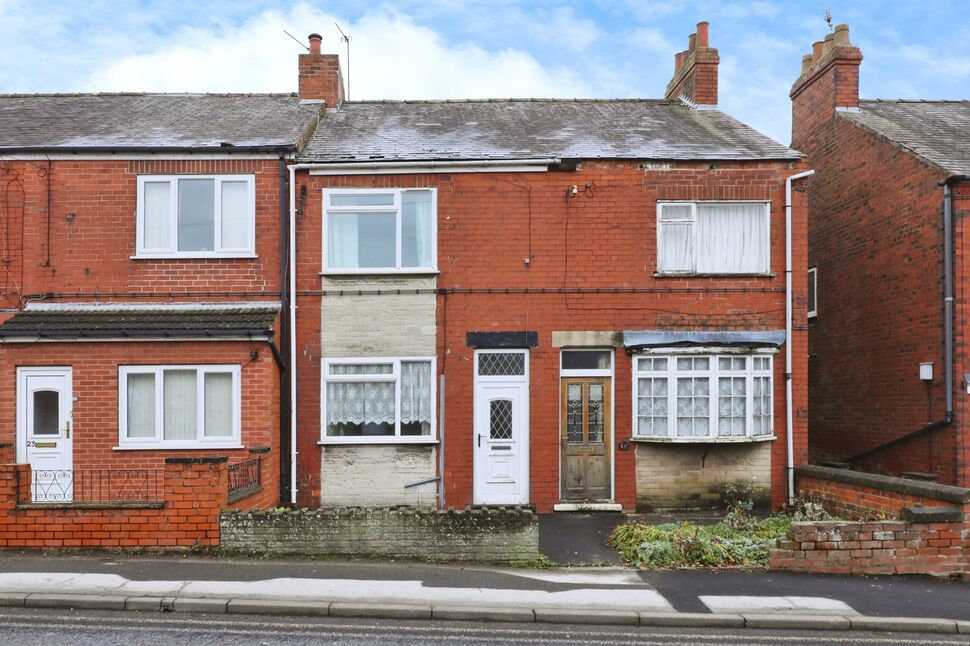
point(695, 70)
point(833, 70)
point(320, 76)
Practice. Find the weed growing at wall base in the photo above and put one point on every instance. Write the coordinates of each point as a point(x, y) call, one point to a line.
point(688, 545)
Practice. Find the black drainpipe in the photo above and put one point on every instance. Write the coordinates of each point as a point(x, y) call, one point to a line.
point(284, 337)
point(947, 328)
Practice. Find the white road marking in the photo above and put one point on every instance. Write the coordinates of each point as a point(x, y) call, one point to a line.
point(796, 605)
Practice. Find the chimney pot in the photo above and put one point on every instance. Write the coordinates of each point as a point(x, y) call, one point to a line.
point(828, 43)
point(678, 61)
point(691, 42)
point(703, 34)
point(817, 49)
point(315, 40)
point(842, 36)
point(806, 62)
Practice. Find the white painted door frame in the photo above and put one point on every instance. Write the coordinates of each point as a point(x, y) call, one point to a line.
point(501, 466)
point(45, 441)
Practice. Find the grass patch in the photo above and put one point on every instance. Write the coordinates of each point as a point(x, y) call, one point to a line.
point(726, 544)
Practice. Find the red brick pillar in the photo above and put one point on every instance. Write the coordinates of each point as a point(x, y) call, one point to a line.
point(195, 490)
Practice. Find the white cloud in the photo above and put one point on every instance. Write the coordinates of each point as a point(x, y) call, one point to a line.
point(391, 57)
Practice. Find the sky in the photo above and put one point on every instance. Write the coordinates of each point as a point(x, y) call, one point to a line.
point(451, 49)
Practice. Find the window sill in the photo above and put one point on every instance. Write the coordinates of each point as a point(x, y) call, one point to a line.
point(378, 272)
point(332, 441)
point(174, 446)
point(194, 256)
point(668, 274)
point(704, 440)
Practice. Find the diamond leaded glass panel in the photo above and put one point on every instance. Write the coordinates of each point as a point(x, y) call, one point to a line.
point(501, 364)
point(500, 419)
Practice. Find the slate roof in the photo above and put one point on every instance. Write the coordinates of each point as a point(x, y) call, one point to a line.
point(534, 128)
point(104, 321)
point(936, 131)
point(143, 121)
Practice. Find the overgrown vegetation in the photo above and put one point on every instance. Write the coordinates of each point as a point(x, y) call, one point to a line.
point(740, 540)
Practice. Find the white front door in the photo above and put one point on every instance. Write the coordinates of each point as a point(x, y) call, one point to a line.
point(44, 403)
point(501, 427)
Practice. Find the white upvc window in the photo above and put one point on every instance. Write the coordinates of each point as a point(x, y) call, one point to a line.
point(379, 231)
point(713, 238)
point(179, 407)
point(375, 400)
point(702, 397)
point(196, 216)
point(813, 292)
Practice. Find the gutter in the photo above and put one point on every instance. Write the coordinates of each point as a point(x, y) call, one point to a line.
point(789, 417)
point(121, 150)
point(377, 167)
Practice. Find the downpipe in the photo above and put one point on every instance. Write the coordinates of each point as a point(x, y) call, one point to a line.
point(789, 416)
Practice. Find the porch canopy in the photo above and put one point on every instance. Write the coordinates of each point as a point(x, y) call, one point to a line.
point(640, 339)
point(123, 320)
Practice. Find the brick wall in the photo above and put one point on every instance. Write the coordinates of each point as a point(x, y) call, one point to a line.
point(95, 385)
point(875, 235)
point(193, 494)
point(91, 250)
point(496, 535)
point(855, 494)
point(605, 238)
point(883, 547)
point(376, 475)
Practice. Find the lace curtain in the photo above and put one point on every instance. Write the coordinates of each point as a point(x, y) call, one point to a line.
point(373, 402)
point(725, 238)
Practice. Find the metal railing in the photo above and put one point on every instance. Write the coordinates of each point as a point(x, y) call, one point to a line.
point(245, 478)
point(97, 486)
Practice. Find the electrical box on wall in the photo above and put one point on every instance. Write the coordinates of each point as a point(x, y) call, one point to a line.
point(926, 371)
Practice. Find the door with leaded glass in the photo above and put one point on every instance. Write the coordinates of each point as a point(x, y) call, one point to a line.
point(585, 411)
point(501, 427)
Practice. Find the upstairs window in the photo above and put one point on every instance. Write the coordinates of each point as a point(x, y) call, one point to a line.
point(379, 230)
point(196, 216)
point(713, 238)
point(813, 292)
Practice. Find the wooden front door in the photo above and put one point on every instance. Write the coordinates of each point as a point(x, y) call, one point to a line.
point(586, 426)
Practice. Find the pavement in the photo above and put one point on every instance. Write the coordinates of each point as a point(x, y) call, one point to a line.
point(412, 591)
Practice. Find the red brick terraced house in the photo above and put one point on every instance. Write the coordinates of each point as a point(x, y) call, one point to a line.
point(574, 304)
point(890, 373)
point(143, 271)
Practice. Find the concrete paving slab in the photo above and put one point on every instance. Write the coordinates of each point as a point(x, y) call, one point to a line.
point(12, 600)
point(380, 610)
point(691, 619)
point(144, 603)
point(766, 604)
point(797, 622)
point(572, 616)
point(278, 607)
point(188, 604)
point(79, 601)
point(904, 624)
point(459, 613)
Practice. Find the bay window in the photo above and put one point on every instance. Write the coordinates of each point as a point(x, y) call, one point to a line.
point(702, 397)
point(372, 400)
point(196, 216)
point(179, 406)
point(379, 230)
point(713, 238)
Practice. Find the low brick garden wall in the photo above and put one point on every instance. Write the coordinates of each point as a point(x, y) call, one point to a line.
point(478, 534)
point(191, 494)
point(932, 536)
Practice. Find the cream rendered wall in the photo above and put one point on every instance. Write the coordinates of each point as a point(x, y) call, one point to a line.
point(372, 325)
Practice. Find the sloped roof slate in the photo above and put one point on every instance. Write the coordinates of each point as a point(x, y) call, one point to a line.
point(58, 121)
point(510, 129)
point(142, 322)
point(935, 131)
